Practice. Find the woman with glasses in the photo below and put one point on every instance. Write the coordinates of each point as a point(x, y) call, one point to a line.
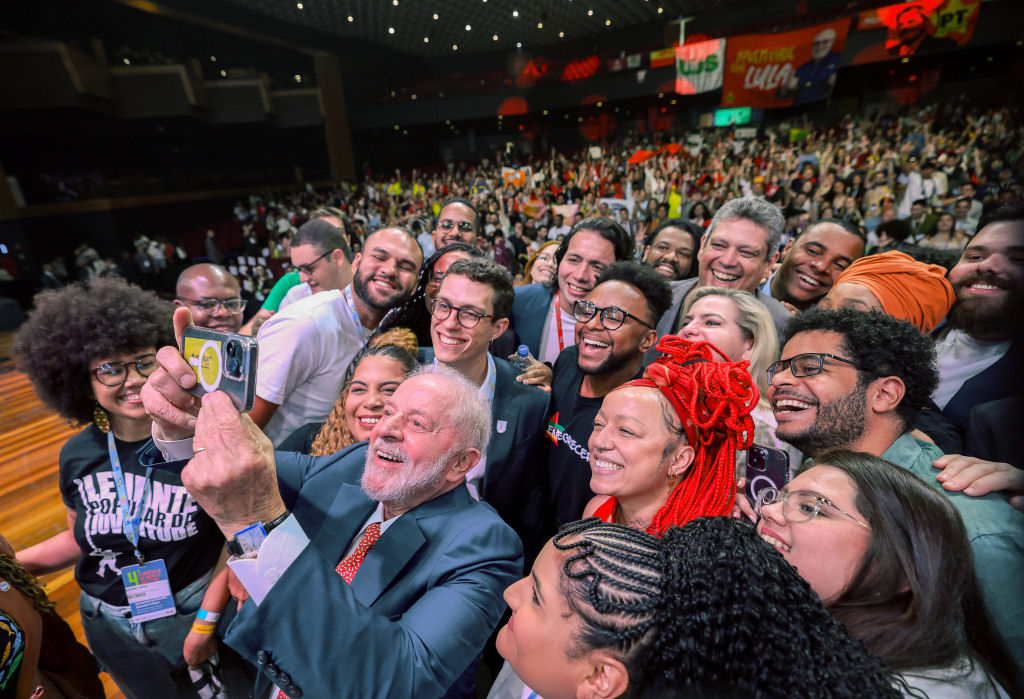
point(889, 557)
point(706, 610)
point(414, 314)
point(88, 349)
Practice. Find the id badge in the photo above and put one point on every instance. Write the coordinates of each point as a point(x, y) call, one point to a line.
point(149, 591)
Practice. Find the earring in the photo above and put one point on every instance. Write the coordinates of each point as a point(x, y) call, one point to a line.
point(100, 419)
point(672, 477)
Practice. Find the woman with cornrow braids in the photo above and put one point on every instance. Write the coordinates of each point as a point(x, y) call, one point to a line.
point(707, 610)
point(663, 450)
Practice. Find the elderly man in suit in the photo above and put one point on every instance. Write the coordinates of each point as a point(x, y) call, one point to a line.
point(372, 572)
point(470, 310)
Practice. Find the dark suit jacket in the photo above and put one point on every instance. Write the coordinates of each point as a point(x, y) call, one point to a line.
point(667, 325)
point(925, 228)
point(529, 310)
point(418, 612)
point(513, 482)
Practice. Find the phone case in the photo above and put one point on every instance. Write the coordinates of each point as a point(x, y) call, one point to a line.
point(222, 362)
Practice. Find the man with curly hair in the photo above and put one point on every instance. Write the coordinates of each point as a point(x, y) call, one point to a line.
point(854, 380)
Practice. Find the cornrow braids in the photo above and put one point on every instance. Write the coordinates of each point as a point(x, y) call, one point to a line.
point(25, 583)
point(398, 344)
point(713, 400)
point(710, 609)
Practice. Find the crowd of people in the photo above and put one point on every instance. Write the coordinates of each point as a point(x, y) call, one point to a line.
point(541, 407)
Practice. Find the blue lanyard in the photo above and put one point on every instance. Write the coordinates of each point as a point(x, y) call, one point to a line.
point(352, 311)
point(491, 374)
point(131, 523)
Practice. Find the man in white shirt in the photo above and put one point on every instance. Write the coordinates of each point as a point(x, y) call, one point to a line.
point(306, 348)
point(377, 552)
point(921, 185)
point(560, 228)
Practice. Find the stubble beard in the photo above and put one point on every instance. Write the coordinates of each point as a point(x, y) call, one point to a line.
point(839, 424)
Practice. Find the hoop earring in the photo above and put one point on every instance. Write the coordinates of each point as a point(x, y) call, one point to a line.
point(100, 419)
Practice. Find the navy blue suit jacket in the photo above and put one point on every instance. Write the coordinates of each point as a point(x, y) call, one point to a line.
point(529, 310)
point(420, 609)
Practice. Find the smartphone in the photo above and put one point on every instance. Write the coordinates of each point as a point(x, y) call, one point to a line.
point(222, 362)
point(767, 467)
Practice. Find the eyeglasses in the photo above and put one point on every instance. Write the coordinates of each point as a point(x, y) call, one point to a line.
point(307, 269)
point(116, 373)
point(436, 277)
point(467, 317)
point(446, 224)
point(799, 506)
point(212, 306)
point(803, 365)
point(612, 317)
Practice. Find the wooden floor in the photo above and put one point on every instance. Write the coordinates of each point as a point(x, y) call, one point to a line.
point(30, 506)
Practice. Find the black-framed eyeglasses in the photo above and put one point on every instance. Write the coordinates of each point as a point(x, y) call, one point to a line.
point(446, 224)
point(308, 268)
point(808, 364)
point(612, 317)
point(467, 317)
point(799, 506)
point(211, 306)
point(116, 373)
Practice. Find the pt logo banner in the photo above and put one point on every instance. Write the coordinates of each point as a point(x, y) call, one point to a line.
point(699, 66)
point(779, 70)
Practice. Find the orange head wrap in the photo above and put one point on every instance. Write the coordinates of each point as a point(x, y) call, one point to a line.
point(713, 401)
point(907, 289)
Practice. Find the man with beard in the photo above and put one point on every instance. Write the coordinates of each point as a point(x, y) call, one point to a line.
point(671, 248)
point(305, 349)
point(458, 221)
point(981, 347)
point(854, 380)
point(371, 572)
point(813, 261)
point(614, 327)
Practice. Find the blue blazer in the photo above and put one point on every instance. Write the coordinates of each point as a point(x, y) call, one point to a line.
point(513, 479)
point(420, 609)
point(529, 310)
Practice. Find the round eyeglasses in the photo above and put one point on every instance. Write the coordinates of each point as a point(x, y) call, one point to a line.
point(116, 373)
point(809, 364)
point(467, 317)
point(799, 506)
point(212, 306)
point(612, 317)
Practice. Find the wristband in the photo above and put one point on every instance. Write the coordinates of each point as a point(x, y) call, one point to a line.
point(203, 615)
point(203, 628)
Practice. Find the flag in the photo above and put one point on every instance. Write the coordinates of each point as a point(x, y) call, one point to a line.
point(663, 57)
point(699, 66)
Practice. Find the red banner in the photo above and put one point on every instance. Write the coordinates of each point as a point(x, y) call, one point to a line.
point(925, 26)
point(778, 70)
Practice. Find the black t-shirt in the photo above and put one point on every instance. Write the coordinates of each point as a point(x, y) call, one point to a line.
point(569, 428)
point(173, 527)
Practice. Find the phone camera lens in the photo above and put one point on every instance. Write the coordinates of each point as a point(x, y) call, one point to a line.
point(234, 368)
point(233, 349)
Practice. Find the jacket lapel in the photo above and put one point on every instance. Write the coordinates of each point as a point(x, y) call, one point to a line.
point(506, 411)
point(343, 521)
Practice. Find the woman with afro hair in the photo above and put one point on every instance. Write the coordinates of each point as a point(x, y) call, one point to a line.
point(87, 350)
point(706, 610)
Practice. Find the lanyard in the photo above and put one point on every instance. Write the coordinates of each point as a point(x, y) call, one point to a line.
point(492, 375)
point(131, 522)
point(556, 314)
point(352, 311)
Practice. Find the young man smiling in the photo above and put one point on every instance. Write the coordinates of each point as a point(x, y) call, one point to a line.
point(812, 262)
point(470, 310)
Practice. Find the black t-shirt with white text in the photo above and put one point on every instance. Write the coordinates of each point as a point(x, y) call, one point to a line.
point(172, 528)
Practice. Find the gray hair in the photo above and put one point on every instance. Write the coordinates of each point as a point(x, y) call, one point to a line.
point(756, 210)
point(469, 414)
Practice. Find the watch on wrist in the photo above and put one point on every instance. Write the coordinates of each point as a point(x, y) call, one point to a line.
point(248, 541)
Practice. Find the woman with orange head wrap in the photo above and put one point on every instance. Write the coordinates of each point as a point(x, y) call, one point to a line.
point(663, 450)
point(897, 284)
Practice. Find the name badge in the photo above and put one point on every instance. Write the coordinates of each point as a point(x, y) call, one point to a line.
point(149, 591)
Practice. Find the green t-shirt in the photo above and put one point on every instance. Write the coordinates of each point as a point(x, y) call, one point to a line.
point(281, 287)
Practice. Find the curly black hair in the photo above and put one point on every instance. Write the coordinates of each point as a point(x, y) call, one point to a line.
point(881, 345)
point(70, 328)
point(709, 609)
point(652, 285)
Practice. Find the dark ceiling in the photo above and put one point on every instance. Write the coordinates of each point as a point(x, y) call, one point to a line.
point(474, 25)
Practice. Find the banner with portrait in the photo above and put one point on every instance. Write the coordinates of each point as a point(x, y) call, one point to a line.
point(779, 70)
point(921, 27)
point(699, 66)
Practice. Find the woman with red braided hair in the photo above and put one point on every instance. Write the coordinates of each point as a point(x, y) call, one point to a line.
point(663, 450)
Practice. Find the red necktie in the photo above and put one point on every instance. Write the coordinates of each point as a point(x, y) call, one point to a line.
point(350, 564)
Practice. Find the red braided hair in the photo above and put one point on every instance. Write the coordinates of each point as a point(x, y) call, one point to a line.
point(713, 401)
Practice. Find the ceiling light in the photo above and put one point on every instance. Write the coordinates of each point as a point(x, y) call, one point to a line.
point(391, 30)
point(435, 15)
point(213, 59)
point(660, 10)
point(126, 61)
point(426, 40)
point(298, 5)
point(396, 127)
point(607, 23)
point(350, 18)
point(540, 25)
point(448, 121)
point(404, 132)
point(561, 35)
point(545, 112)
point(223, 73)
point(494, 36)
point(455, 47)
point(579, 118)
point(515, 13)
point(600, 104)
point(394, 2)
point(590, 13)
point(468, 28)
point(298, 78)
point(519, 44)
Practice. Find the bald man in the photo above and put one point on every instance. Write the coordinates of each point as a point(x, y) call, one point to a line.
point(211, 293)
